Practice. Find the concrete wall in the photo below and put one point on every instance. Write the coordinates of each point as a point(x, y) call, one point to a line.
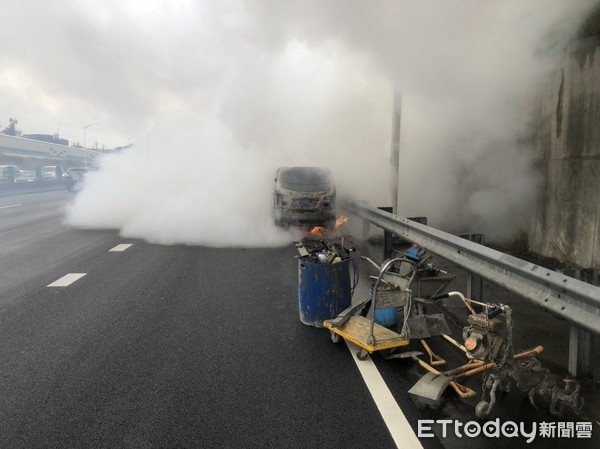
point(567, 222)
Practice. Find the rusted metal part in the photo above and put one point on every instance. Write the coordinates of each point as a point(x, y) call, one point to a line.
point(530, 377)
point(481, 320)
point(301, 249)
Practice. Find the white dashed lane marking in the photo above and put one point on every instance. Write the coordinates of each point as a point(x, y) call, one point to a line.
point(67, 280)
point(12, 205)
point(121, 247)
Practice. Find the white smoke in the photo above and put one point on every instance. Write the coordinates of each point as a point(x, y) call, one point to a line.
point(219, 94)
point(212, 181)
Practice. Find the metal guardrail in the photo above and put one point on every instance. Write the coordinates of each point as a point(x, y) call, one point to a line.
point(564, 296)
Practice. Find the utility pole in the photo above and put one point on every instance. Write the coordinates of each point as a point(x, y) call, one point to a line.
point(395, 147)
point(84, 147)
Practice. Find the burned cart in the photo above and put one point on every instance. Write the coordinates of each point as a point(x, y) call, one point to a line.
point(391, 290)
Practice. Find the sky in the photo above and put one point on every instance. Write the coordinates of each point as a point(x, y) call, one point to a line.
point(215, 95)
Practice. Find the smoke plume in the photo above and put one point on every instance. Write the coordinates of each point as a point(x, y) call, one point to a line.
point(216, 95)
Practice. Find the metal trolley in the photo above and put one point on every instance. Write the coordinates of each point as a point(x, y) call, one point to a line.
point(363, 331)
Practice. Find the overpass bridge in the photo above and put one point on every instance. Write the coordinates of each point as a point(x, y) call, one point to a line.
point(12, 147)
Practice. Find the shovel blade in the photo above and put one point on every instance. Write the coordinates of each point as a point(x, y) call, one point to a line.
point(427, 326)
point(429, 389)
point(404, 355)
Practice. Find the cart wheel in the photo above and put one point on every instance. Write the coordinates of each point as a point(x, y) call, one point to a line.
point(362, 354)
point(482, 410)
point(335, 337)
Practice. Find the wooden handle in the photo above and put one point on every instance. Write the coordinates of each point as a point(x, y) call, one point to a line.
point(461, 390)
point(521, 355)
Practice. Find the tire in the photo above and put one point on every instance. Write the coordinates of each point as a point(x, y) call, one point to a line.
point(362, 354)
point(335, 337)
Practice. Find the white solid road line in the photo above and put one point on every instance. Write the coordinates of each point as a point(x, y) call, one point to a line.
point(67, 280)
point(12, 205)
point(394, 419)
point(121, 247)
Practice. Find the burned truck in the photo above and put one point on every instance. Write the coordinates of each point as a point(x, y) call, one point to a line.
point(304, 196)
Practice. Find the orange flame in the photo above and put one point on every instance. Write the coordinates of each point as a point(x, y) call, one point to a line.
point(340, 221)
point(317, 230)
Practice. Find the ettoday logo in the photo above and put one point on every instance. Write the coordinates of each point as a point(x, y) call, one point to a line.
point(508, 429)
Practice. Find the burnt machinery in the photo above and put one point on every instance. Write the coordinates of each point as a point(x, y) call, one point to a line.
point(488, 344)
point(487, 337)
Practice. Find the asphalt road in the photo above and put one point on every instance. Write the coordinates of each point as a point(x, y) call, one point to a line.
point(532, 327)
point(163, 346)
point(187, 347)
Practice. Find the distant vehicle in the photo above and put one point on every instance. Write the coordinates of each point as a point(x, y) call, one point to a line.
point(74, 175)
point(9, 173)
point(304, 196)
point(50, 172)
point(26, 176)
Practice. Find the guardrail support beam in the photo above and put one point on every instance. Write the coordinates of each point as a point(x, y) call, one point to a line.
point(580, 352)
point(387, 236)
point(474, 282)
point(581, 343)
point(366, 227)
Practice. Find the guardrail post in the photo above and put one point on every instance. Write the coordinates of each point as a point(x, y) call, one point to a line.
point(366, 224)
point(387, 245)
point(580, 352)
point(387, 235)
point(581, 342)
point(421, 220)
point(474, 282)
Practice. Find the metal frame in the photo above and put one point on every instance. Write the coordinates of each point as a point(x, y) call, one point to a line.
point(563, 296)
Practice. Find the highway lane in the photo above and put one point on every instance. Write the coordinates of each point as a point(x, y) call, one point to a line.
point(176, 346)
point(164, 346)
point(34, 238)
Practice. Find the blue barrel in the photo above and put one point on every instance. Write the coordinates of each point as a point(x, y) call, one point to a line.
point(323, 290)
point(387, 316)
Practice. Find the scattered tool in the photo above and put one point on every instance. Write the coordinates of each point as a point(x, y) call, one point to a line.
point(430, 391)
point(457, 344)
point(431, 386)
point(434, 359)
point(421, 325)
point(488, 343)
point(301, 249)
point(326, 252)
